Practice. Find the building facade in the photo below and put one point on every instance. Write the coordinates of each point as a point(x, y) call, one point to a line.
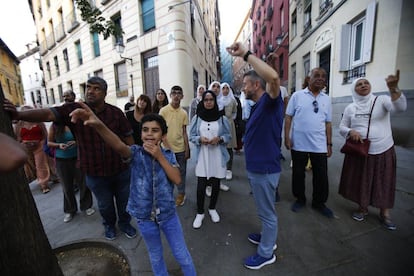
point(239, 66)
point(32, 78)
point(164, 43)
point(351, 39)
point(10, 76)
point(270, 38)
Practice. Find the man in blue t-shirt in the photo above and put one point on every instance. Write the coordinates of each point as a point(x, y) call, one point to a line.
point(262, 149)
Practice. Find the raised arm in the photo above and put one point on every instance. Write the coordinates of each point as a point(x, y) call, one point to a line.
point(262, 68)
point(90, 119)
point(30, 115)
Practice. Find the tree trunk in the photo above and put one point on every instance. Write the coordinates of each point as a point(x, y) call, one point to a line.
point(24, 247)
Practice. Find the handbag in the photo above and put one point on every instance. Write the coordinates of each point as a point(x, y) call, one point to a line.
point(357, 148)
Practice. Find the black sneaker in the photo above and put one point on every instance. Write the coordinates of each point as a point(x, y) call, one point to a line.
point(130, 232)
point(110, 232)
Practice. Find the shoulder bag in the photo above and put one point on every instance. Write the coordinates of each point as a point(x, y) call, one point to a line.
point(357, 148)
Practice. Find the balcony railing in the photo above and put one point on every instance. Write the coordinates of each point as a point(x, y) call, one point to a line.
point(60, 32)
point(43, 47)
point(354, 73)
point(51, 42)
point(71, 22)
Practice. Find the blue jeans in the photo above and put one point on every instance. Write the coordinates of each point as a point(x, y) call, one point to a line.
point(108, 188)
point(264, 188)
point(150, 231)
point(180, 157)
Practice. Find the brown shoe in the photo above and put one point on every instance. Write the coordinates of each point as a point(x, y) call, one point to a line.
point(180, 199)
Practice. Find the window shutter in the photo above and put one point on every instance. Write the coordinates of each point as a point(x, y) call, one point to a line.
point(345, 47)
point(369, 32)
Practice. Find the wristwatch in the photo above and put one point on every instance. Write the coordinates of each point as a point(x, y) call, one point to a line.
point(248, 53)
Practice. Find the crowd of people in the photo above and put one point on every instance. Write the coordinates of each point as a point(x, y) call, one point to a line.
point(131, 160)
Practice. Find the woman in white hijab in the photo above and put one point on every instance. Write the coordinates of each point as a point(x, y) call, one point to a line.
point(193, 106)
point(371, 180)
point(229, 103)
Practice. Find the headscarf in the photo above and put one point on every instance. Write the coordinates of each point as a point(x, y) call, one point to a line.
point(210, 87)
point(208, 115)
point(226, 100)
point(198, 89)
point(362, 103)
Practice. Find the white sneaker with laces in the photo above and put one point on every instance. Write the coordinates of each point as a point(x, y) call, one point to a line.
point(90, 211)
point(214, 215)
point(208, 191)
point(224, 187)
point(68, 217)
point(198, 221)
point(229, 175)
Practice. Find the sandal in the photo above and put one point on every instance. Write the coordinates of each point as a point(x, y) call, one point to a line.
point(45, 190)
point(387, 222)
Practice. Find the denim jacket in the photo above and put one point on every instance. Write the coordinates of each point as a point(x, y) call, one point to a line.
point(151, 192)
point(224, 133)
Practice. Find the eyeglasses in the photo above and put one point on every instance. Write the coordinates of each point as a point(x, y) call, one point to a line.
point(208, 100)
point(175, 93)
point(315, 106)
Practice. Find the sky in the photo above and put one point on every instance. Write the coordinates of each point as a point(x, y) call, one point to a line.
point(17, 26)
point(232, 14)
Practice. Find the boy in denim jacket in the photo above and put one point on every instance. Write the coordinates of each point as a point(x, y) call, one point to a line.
point(153, 172)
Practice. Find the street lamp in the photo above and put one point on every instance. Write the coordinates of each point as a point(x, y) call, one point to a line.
point(178, 4)
point(279, 40)
point(120, 48)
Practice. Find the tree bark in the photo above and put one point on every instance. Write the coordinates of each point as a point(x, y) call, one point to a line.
point(24, 247)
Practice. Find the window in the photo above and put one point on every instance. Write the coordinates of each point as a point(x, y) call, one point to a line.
point(55, 60)
point(281, 71)
point(79, 52)
point(282, 18)
point(306, 65)
point(117, 21)
point(148, 16)
point(293, 78)
point(324, 6)
point(98, 73)
point(307, 16)
point(294, 27)
point(356, 43)
point(66, 59)
point(121, 80)
point(60, 91)
point(95, 45)
point(48, 70)
point(52, 96)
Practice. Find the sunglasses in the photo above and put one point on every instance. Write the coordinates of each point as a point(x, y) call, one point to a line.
point(315, 106)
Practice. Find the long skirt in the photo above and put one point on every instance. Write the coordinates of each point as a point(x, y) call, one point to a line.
point(371, 180)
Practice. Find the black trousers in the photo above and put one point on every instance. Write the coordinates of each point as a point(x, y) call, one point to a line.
point(67, 170)
point(319, 180)
point(202, 182)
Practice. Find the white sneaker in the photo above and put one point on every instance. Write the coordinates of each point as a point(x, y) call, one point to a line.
point(198, 221)
point(68, 217)
point(224, 187)
point(229, 175)
point(90, 211)
point(208, 191)
point(214, 215)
